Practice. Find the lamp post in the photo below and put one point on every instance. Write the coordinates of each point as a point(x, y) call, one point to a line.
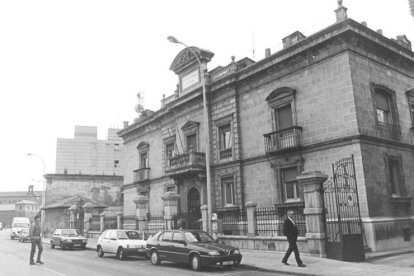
point(206, 132)
point(43, 189)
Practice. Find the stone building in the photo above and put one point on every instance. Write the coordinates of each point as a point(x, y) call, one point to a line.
point(87, 170)
point(345, 90)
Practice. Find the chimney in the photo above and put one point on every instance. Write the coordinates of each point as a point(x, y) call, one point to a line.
point(341, 12)
point(267, 52)
point(292, 39)
point(364, 23)
point(379, 31)
point(125, 124)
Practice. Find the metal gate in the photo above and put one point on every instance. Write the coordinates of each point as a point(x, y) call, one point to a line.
point(343, 223)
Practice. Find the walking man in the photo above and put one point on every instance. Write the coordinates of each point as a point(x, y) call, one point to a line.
point(290, 230)
point(34, 235)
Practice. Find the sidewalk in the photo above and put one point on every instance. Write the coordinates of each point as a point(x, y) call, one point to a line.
point(270, 261)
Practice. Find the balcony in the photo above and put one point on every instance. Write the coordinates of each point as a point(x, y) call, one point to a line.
point(283, 140)
point(388, 131)
point(141, 175)
point(186, 163)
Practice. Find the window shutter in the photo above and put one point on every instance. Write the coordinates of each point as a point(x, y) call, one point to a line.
point(381, 101)
point(284, 117)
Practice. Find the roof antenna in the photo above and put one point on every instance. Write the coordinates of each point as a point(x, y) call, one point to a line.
point(253, 45)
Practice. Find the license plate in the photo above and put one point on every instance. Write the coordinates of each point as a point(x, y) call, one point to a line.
point(227, 262)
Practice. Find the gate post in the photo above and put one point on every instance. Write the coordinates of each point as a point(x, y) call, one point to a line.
point(204, 209)
point(102, 222)
point(170, 208)
point(312, 182)
point(141, 211)
point(251, 218)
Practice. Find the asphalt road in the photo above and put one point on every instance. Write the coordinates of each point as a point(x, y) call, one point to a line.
point(14, 260)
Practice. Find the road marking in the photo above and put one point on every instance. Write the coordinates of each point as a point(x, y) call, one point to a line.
point(47, 269)
point(11, 255)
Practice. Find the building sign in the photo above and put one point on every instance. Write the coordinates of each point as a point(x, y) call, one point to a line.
point(190, 79)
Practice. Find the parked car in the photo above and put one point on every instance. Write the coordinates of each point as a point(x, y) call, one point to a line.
point(24, 235)
point(67, 238)
point(195, 247)
point(123, 243)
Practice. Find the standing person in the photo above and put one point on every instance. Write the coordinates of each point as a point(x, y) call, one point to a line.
point(290, 230)
point(34, 235)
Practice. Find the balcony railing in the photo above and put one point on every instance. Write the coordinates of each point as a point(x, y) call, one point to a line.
point(187, 162)
point(226, 153)
point(388, 131)
point(141, 174)
point(284, 139)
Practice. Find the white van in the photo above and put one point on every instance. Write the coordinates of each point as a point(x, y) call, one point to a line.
point(17, 225)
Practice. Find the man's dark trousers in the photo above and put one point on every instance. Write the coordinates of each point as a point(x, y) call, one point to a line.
point(290, 230)
point(292, 247)
point(38, 243)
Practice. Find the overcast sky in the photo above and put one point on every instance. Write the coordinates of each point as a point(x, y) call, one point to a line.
point(67, 63)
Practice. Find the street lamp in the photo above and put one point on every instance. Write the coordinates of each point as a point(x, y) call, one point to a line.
point(206, 131)
point(43, 189)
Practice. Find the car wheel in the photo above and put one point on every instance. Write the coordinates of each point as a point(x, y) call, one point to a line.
point(83, 247)
point(62, 246)
point(195, 262)
point(100, 251)
point(11, 237)
point(52, 245)
point(155, 258)
point(121, 254)
point(236, 263)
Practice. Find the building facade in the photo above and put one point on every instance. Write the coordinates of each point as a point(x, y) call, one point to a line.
point(87, 170)
point(345, 90)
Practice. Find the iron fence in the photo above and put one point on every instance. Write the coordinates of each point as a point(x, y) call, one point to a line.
point(233, 221)
point(270, 220)
point(154, 223)
point(110, 222)
point(188, 221)
point(95, 223)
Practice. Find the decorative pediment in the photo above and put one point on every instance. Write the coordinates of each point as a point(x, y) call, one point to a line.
point(190, 125)
point(186, 58)
point(143, 146)
point(281, 93)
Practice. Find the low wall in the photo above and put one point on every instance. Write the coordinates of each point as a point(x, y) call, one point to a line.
point(93, 234)
point(262, 243)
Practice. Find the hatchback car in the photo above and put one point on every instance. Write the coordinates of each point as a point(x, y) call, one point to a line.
point(24, 235)
point(195, 247)
point(67, 238)
point(123, 243)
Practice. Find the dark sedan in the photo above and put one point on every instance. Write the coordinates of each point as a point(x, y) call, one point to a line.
point(195, 247)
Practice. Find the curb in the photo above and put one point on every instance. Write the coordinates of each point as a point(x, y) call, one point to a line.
point(255, 268)
point(386, 255)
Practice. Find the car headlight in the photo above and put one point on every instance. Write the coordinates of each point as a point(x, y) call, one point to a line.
point(84, 240)
point(68, 240)
point(213, 253)
point(237, 252)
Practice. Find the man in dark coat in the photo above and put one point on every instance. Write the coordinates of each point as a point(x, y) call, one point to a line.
point(290, 230)
point(34, 235)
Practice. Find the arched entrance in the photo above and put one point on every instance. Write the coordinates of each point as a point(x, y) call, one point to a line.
point(193, 220)
point(193, 201)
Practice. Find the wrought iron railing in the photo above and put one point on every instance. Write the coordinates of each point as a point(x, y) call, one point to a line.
point(283, 139)
point(270, 220)
point(233, 221)
point(187, 159)
point(141, 174)
point(226, 153)
point(154, 223)
point(388, 131)
point(188, 221)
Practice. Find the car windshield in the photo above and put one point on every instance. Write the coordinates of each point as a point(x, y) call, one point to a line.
point(195, 237)
point(131, 235)
point(69, 232)
point(21, 225)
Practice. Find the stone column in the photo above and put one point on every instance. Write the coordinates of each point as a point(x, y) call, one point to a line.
point(251, 218)
point(141, 211)
point(204, 209)
point(118, 221)
point(72, 217)
point(312, 182)
point(170, 208)
point(102, 222)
